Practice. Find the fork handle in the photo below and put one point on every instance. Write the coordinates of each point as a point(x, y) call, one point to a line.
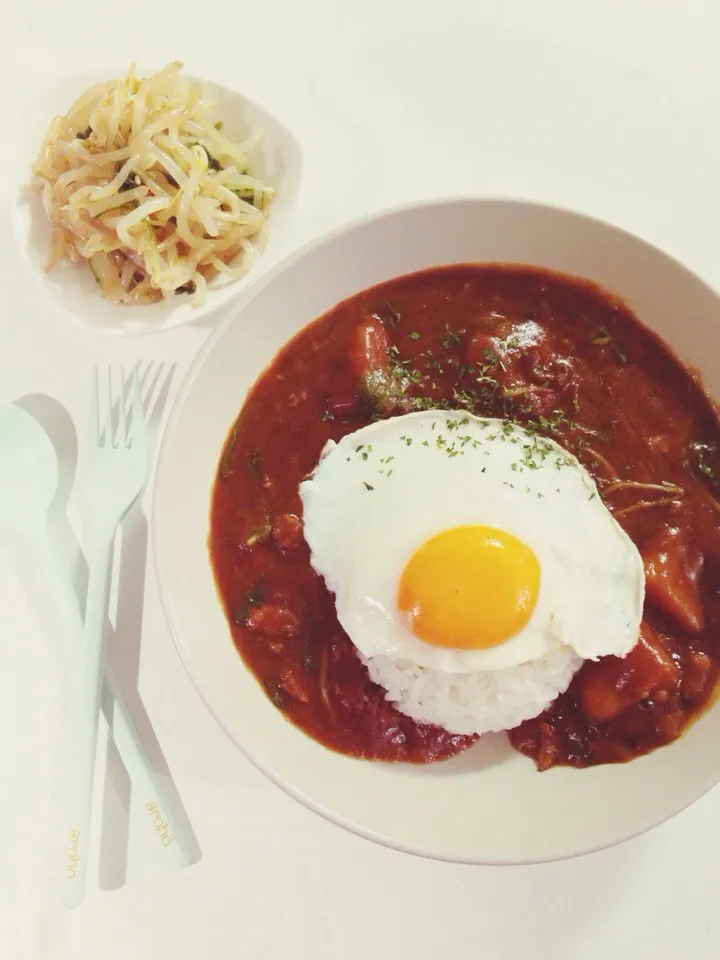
point(84, 745)
point(167, 832)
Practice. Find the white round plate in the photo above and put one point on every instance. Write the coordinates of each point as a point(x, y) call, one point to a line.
point(276, 160)
point(488, 805)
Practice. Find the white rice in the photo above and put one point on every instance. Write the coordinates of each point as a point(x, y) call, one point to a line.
point(477, 702)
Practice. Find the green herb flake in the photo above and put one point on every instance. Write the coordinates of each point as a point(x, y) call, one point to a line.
point(450, 338)
point(701, 460)
point(277, 696)
point(259, 533)
point(308, 661)
point(251, 597)
point(253, 463)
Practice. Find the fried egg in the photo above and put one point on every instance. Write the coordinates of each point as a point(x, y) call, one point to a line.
point(459, 545)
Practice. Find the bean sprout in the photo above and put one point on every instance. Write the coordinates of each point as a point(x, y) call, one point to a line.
point(140, 183)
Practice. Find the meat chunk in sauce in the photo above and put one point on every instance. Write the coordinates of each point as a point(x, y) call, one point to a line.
point(696, 675)
point(369, 356)
point(518, 359)
point(287, 531)
point(613, 684)
point(272, 620)
point(672, 577)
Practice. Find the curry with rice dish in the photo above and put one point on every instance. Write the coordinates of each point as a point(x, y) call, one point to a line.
point(476, 497)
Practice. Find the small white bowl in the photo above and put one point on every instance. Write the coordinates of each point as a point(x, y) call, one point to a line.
point(277, 161)
point(488, 805)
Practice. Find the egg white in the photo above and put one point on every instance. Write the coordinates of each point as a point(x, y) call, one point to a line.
point(382, 491)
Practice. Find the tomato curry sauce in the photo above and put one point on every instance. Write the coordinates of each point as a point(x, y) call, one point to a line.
point(557, 355)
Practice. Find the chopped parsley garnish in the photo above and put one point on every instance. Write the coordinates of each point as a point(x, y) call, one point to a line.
point(450, 338)
point(254, 463)
point(251, 597)
point(260, 533)
point(491, 358)
point(701, 460)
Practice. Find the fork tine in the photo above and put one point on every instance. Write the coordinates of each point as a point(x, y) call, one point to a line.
point(137, 403)
point(122, 434)
point(94, 418)
point(109, 412)
point(154, 378)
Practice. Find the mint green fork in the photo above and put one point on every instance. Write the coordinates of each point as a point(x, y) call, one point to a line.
point(113, 472)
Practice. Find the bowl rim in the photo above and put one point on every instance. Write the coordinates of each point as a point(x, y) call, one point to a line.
point(233, 310)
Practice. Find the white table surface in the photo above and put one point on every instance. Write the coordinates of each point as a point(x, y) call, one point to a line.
point(612, 108)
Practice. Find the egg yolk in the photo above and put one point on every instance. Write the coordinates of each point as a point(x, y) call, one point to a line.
point(471, 587)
